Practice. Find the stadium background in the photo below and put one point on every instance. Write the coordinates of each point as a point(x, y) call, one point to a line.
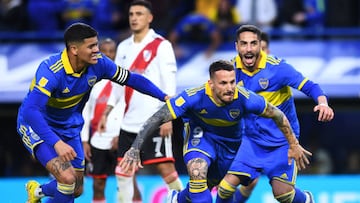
point(330, 57)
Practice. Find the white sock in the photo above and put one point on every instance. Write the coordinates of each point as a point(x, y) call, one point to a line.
point(125, 189)
point(176, 185)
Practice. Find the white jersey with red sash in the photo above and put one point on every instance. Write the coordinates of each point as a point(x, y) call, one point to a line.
point(103, 93)
point(154, 58)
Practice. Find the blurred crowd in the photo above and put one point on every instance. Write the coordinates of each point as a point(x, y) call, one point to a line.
point(174, 18)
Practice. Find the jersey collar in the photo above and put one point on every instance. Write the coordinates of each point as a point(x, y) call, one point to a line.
point(67, 66)
point(262, 62)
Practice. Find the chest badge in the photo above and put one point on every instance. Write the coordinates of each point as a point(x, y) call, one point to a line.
point(264, 83)
point(147, 55)
point(234, 113)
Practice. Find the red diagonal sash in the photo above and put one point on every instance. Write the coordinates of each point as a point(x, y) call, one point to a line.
point(100, 106)
point(141, 62)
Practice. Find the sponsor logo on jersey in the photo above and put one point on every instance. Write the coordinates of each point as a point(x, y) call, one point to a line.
point(179, 101)
point(66, 90)
point(284, 176)
point(43, 81)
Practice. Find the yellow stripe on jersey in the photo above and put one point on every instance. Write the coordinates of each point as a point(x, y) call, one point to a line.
point(63, 103)
point(171, 109)
point(272, 60)
point(217, 122)
point(302, 83)
point(278, 97)
point(243, 91)
point(43, 90)
point(56, 66)
point(195, 150)
point(192, 91)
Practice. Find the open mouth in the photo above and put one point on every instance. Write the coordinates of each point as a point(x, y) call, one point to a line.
point(249, 58)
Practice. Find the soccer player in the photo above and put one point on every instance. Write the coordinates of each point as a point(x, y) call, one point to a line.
point(265, 42)
point(263, 148)
point(100, 145)
point(147, 53)
point(213, 112)
point(50, 117)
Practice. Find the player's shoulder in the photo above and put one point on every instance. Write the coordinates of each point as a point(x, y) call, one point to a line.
point(243, 91)
point(275, 62)
point(52, 64)
point(194, 93)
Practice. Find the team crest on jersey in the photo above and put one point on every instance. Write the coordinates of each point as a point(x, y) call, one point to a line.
point(195, 141)
point(179, 101)
point(92, 81)
point(264, 83)
point(234, 113)
point(147, 55)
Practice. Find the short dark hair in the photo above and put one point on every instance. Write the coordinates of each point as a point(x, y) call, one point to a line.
point(77, 32)
point(145, 3)
point(248, 28)
point(265, 37)
point(220, 65)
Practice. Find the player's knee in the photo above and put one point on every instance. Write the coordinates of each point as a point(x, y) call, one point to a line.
point(197, 168)
point(226, 190)
point(78, 191)
point(286, 197)
point(67, 178)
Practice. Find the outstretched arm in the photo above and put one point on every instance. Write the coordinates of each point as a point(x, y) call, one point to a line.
point(296, 151)
point(131, 160)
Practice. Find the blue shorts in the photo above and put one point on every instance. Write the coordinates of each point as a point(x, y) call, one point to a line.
point(252, 160)
point(219, 155)
point(44, 152)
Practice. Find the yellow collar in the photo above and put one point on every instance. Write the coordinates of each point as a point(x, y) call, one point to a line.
point(262, 62)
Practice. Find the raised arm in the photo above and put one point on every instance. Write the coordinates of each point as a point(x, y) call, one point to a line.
point(131, 160)
point(296, 151)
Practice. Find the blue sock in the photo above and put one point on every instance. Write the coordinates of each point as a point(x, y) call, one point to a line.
point(64, 193)
point(299, 197)
point(199, 191)
point(201, 197)
point(183, 195)
point(49, 188)
point(239, 197)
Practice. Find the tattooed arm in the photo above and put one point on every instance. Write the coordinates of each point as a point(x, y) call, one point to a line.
point(296, 151)
point(131, 160)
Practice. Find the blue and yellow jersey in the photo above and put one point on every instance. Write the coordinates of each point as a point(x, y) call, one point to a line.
point(67, 91)
point(273, 79)
point(222, 121)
